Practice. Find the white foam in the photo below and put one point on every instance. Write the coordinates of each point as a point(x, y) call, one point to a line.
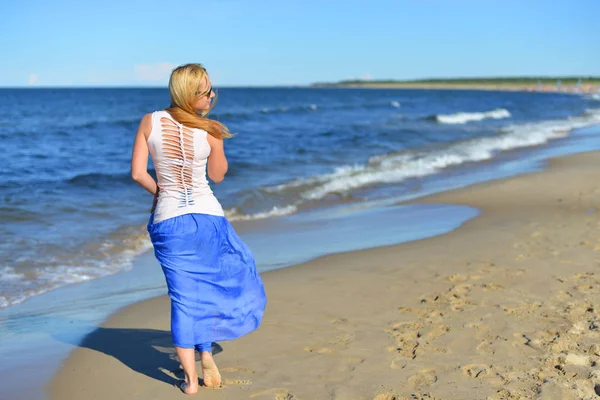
point(464, 117)
point(10, 274)
point(395, 104)
point(234, 214)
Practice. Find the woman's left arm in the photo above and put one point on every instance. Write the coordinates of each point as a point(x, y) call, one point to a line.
point(139, 157)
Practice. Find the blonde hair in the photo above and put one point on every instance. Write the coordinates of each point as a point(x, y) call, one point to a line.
point(185, 87)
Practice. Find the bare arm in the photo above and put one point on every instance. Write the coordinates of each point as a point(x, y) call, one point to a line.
point(217, 162)
point(139, 157)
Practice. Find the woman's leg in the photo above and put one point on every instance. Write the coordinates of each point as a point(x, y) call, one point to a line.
point(210, 373)
point(187, 357)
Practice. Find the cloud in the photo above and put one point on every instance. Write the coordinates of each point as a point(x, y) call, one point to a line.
point(153, 72)
point(33, 79)
point(367, 77)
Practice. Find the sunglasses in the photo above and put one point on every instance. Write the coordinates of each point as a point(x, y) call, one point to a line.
point(206, 93)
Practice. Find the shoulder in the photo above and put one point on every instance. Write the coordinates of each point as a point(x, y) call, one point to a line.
point(146, 124)
point(146, 120)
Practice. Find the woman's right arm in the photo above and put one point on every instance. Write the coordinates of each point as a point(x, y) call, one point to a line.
point(217, 162)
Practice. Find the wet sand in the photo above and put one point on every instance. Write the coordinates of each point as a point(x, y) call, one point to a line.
point(504, 307)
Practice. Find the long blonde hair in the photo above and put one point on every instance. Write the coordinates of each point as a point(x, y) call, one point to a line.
point(185, 88)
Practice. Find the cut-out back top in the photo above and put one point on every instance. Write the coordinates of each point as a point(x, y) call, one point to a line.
point(180, 156)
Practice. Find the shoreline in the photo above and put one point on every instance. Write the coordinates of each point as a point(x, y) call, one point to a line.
point(296, 313)
point(35, 274)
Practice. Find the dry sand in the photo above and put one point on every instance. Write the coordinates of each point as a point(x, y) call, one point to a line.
point(505, 307)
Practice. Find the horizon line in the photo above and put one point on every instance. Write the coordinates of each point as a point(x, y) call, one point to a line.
point(308, 85)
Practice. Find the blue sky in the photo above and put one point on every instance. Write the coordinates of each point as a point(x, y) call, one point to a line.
point(282, 42)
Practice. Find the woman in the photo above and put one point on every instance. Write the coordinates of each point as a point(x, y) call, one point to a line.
point(216, 293)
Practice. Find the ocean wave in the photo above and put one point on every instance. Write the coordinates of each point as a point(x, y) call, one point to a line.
point(595, 96)
point(464, 117)
point(114, 254)
point(397, 167)
point(234, 214)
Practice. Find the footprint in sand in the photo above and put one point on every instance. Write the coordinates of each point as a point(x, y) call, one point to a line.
point(423, 378)
point(437, 331)
point(405, 336)
point(340, 342)
point(485, 347)
point(239, 382)
point(455, 298)
point(408, 336)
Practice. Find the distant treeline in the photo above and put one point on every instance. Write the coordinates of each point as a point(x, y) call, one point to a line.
point(566, 80)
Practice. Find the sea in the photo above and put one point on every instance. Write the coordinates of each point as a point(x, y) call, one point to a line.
point(69, 211)
point(312, 171)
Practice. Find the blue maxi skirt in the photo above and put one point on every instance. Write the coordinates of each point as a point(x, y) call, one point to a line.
point(216, 293)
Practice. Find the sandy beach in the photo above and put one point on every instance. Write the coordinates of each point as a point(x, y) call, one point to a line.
point(504, 307)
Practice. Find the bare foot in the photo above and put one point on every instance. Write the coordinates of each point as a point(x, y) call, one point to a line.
point(190, 385)
point(210, 372)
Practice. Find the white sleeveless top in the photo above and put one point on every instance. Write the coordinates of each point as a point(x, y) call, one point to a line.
point(180, 155)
